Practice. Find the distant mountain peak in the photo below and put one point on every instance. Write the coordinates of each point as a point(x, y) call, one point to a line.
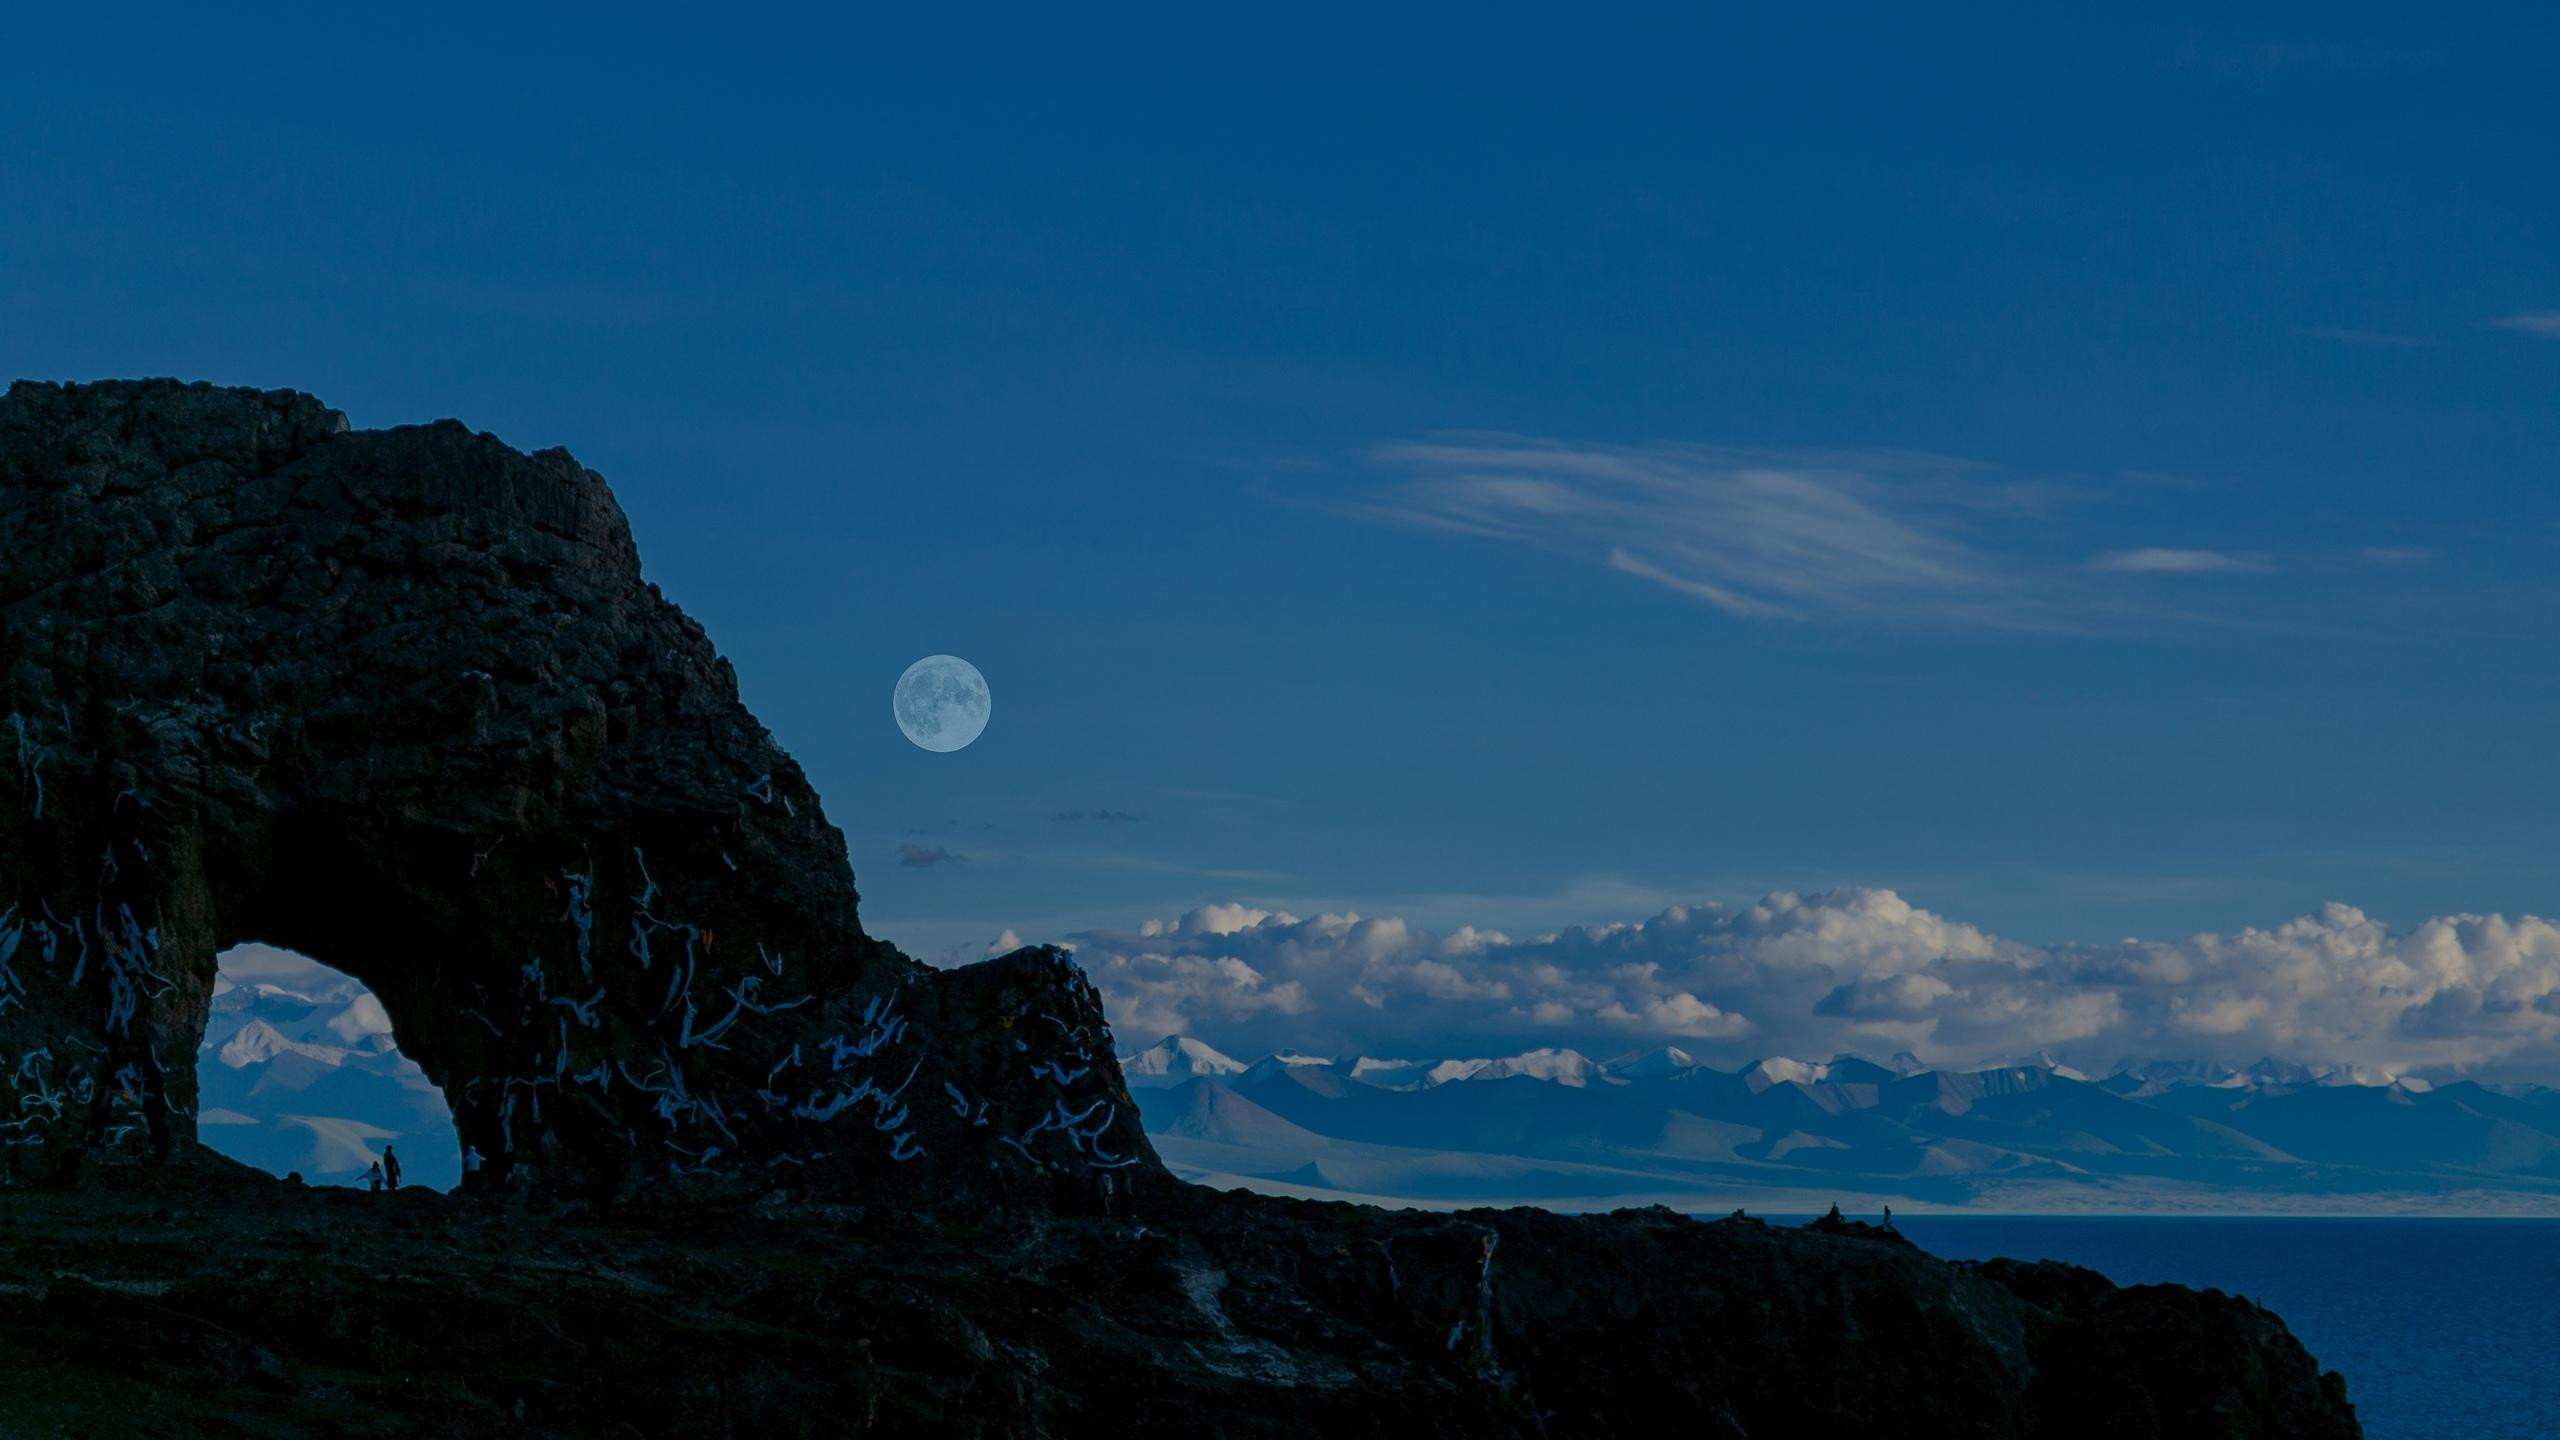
point(1176, 1058)
point(1779, 1070)
point(1655, 1123)
point(2044, 1060)
point(258, 1042)
point(1648, 1064)
point(1564, 1067)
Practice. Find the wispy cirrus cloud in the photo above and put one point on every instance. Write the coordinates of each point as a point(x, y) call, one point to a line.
point(925, 857)
point(1885, 538)
point(2162, 561)
point(2532, 322)
point(1808, 536)
point(2395, 554)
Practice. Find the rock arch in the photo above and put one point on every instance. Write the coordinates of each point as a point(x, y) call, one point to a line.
point(400, 700)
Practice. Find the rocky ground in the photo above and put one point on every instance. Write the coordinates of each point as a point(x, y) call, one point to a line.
point(205, 1300)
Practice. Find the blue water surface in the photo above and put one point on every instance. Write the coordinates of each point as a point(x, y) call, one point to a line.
point(2445, 1329)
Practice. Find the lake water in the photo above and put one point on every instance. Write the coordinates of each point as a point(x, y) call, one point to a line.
point(2445, 1329)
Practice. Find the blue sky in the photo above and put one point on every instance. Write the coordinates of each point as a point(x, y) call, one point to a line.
point(2091, 475)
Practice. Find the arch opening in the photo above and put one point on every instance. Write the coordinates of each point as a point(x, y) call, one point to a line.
point(299, 1072)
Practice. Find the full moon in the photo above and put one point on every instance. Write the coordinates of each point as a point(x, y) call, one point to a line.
point(942, 703)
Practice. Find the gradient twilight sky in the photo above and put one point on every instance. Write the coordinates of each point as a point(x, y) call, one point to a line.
point(2092, 475)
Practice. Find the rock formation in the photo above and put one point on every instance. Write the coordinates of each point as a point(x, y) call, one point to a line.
point(401, 701)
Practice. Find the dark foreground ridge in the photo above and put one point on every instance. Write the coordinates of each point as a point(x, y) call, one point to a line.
point(400, 700)
point(217, 1302)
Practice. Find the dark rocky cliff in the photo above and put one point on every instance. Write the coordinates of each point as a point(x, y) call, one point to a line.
point(400, 700)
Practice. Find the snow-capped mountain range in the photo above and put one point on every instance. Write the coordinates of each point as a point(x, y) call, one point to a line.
point(1556, 1127)
point(1177, 1058)
point(308, 1079)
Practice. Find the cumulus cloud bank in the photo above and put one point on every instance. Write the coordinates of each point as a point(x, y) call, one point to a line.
point(1851, 969)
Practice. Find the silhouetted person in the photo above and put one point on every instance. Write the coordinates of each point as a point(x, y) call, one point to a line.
point(390, 1168)
point(373, 1178)
point(1888, 1217)
point(470, 1169)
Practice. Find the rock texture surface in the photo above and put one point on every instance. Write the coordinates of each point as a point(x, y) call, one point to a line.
point(401, 701)
point(229, 1305)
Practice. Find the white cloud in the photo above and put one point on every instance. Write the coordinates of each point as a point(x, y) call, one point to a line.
point(1874, 536)
point(1893, 997)
point(1716, 595)
point(1680, 1014)
point(364, 1016)
point(2531, 322)
point(2158, 561)
point(1169, 993)
point(1885, 538)
point(258, 964)
point(1852, 969)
